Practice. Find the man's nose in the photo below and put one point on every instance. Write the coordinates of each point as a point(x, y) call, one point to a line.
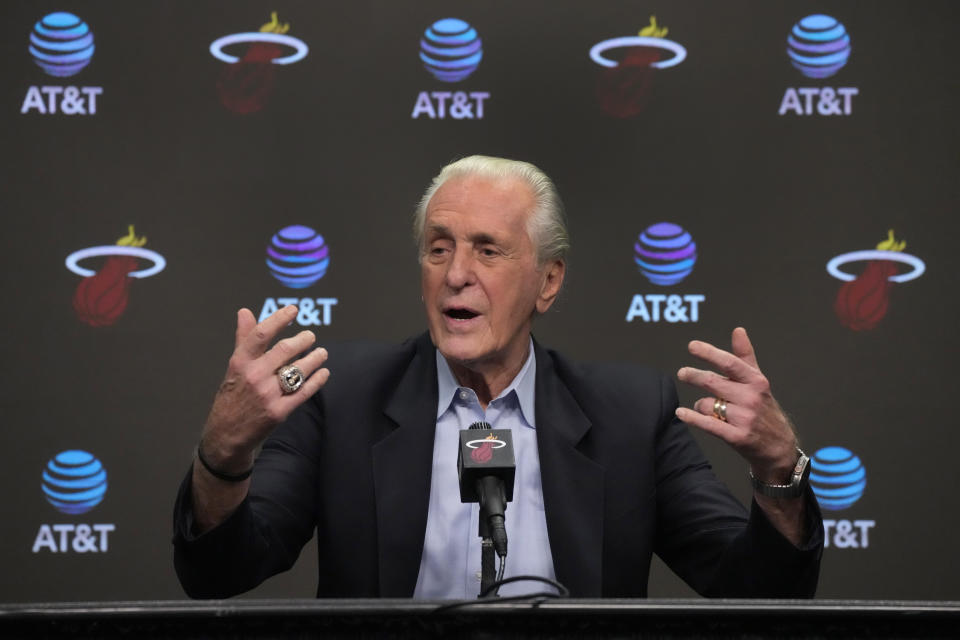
point(460, 270)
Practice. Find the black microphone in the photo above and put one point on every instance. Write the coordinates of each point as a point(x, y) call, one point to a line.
point(487, 467)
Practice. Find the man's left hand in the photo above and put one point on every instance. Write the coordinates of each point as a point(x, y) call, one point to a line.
point(755, 424)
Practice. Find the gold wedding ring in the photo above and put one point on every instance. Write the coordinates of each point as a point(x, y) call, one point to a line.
point(720, 409)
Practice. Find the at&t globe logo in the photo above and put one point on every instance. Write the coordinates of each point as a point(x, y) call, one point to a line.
point(298, 257)
point(62, 45)
point(665, 254)
point(818, 46)
point(74, 482)
point(838, 479)
point(450, 50)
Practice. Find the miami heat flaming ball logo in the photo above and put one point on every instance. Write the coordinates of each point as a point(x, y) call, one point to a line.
point(863, 300)
point(101, 297)
point(246, 83)
point(625, 82)
point(482, 450)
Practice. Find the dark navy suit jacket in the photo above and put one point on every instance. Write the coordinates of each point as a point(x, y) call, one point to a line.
point(622, 479)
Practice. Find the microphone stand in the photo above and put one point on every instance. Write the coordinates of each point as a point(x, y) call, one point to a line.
point(488, 571)
point(491, 529)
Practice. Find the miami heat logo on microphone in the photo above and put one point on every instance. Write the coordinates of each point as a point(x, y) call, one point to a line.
point(482, 450)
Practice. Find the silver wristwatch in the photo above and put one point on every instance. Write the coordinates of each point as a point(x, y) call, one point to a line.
point(798, 481)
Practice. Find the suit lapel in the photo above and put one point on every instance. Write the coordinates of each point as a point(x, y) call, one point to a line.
point(402, 465)
point(572, 484)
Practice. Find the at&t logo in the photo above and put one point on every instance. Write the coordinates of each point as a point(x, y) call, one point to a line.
point(818, 46)
point(74, 482)
point(451, 50)
point(62, 45)
point(298, 257)
point(665, 254)
point(838, 479)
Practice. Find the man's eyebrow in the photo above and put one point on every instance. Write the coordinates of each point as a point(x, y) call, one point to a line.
point(439, 230)
point(483, 238)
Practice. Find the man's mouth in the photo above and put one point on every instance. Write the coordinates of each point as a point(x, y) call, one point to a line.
point(460, 313)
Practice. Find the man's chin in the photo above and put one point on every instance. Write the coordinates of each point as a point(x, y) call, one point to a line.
point(463, 352)
point(463, 357)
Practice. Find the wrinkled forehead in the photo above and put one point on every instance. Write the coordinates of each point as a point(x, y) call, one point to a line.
point(506, 203)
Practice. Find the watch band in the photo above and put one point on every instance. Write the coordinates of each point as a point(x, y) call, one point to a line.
point(797, 485)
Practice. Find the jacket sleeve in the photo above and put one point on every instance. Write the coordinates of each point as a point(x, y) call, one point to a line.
point(706, 536)
point(266, 532)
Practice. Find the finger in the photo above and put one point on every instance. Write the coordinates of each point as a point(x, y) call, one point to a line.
point(743, 348)
point(256, 341)
point(312, 361)
point(732, 366)
point(245, 324)
point(287, 349)
point(723, 430)
point(735, 413)
point(715, 384)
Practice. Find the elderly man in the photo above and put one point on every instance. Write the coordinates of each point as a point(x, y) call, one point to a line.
point(607, 471)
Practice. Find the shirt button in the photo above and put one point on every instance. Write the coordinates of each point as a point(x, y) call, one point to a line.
point(464, 395)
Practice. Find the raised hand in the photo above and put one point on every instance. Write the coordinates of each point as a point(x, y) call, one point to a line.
point(250, 402)
point(741, 410)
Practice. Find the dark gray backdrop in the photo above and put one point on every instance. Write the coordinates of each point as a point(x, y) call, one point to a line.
point(769, 199)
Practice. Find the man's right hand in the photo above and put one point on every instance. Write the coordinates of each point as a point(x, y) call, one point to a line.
point(250, 402)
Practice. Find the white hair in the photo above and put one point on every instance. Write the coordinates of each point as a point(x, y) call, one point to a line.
point(546, 225)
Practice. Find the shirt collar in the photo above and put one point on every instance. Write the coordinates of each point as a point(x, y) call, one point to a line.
point(523, 384)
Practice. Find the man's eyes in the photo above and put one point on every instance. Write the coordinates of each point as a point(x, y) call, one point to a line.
point(486, 251)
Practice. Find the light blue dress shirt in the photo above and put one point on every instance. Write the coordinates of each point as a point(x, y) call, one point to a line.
point(450, 564)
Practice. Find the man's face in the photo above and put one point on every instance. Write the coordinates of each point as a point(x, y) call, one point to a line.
point(479, 274)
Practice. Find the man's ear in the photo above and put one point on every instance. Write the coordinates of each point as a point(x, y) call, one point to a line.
point(552, 282)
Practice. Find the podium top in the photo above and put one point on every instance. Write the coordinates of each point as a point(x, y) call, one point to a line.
point(403, 618)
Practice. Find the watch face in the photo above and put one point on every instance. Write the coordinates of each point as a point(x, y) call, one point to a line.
point(802, 470)
point(798, 481)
